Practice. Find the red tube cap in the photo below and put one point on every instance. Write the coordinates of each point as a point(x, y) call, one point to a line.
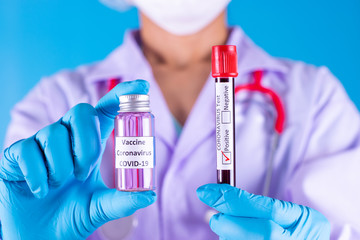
point(224, 61)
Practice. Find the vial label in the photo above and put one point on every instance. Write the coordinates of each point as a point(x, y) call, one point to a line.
point(134, 152)
point(224, 126)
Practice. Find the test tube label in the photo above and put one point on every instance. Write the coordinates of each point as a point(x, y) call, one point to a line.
point(224, 125)
point(134, 152)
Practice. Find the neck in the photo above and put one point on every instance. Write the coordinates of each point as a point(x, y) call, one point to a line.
point(162, 47)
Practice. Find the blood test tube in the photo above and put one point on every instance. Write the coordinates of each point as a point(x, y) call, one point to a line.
point(224, 70)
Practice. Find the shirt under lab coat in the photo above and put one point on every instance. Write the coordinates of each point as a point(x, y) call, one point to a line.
point(317, 162)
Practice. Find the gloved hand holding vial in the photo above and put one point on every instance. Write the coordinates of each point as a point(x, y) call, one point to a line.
point(50, 185)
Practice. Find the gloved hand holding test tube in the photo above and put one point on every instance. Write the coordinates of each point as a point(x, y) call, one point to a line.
point(242, 215)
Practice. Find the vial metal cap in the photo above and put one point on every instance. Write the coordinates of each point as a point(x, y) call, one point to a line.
point(134, 103)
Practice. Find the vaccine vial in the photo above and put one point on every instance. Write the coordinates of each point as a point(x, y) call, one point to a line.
point(134, 144)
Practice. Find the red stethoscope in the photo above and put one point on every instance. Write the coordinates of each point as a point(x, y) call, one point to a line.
point(255, 86)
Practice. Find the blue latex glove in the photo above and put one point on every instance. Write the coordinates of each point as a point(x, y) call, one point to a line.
point(248, 216)
point(50, 185)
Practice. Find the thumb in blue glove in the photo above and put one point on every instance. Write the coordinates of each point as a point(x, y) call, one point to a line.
point(50, 183)
point(248, 216)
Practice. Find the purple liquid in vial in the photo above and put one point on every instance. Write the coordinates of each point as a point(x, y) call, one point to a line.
point(137, 129)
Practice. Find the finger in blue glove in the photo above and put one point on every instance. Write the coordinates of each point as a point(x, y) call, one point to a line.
point(108, 106)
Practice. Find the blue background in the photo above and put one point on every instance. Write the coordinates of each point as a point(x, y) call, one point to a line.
point(40, 37)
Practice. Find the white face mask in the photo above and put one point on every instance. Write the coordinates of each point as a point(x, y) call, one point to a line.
point(179, 17)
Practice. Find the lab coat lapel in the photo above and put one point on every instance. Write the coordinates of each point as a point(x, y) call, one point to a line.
point(128, 63)
point(200, 123)
point(164, 126)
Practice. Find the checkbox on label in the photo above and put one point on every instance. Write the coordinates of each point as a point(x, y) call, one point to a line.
point(226, 117)
point(226, 157)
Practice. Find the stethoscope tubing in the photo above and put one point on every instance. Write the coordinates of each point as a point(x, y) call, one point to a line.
point(256, 86)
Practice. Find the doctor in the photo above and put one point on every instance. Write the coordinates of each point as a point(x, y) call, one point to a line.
point(55, 181)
